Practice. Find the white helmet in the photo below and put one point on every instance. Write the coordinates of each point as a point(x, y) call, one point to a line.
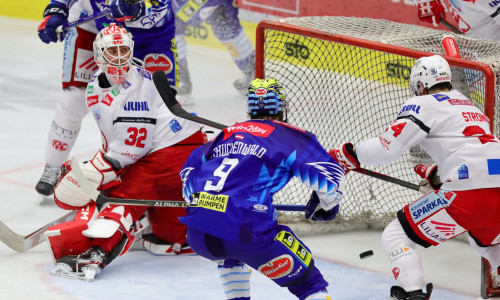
point(113, 52)
point(429, 71)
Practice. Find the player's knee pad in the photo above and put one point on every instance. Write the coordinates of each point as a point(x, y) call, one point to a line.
point(427, 222)
point(235, 278)
point(67, 238)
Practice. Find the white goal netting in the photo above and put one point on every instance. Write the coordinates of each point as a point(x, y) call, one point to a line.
point(345, 90)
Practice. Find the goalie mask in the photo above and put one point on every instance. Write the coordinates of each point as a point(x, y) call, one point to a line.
point(113, 52)
point(429, 71)
point(266, 97)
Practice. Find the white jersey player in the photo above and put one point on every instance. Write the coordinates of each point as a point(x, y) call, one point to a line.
point(144, 148)
point(477, 18)
point(465, 175)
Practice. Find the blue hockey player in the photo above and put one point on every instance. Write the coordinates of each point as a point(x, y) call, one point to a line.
point(222, 16)
point(229, 184)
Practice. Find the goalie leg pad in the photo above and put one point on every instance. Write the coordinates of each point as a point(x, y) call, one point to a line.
point(235, 278)
point(67, 238)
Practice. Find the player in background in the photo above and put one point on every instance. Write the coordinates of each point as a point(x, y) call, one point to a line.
point(144, 148)
point(476, 18)
point(222, 16)
point(229, 184)
point(151, 23)
point(464, 179)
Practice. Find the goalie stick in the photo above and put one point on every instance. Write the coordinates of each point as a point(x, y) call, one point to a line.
point(22, 243)
point(101, 199)
point(163, 87)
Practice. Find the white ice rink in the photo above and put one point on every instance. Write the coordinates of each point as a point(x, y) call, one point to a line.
point(29, 82)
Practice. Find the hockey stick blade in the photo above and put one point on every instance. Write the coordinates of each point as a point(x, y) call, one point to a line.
point(163, 87)
point(387, 178)
point(22, 243)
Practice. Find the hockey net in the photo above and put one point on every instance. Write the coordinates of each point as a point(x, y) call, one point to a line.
point(346, 79)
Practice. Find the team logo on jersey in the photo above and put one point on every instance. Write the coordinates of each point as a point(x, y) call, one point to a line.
point(277, 267)
point(260, 208)
point(136, 106)
point(209, 201)
point(92, 100)
point(158, 62)
point(59, 146)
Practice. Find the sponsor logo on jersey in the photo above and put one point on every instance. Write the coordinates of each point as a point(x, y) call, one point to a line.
point(494, 3)
point(385, 142)
point(440, 231)
point(460, 102)
point(92, 100)
point(85, 66)
point(440, 97)
point(158, 62)
point(174, 126)
point(255, 129)
point(260, 208)
point(463, 172)
point(277, 267)
point(411, 107)
point(426, 206)
point(209, 201)
point(107, 100)
point(90, 89)
point(126, 84)
point(136, 106)
point(115, 92)
point(295, 246)
point(59, 146)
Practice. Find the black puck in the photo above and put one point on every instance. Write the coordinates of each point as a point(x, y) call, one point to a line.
point(366, 254)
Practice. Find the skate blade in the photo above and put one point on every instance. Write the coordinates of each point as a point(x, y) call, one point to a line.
point(83, 276)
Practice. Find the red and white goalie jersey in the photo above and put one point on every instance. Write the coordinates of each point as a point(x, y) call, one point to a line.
point(133, 119)
point(460, 142)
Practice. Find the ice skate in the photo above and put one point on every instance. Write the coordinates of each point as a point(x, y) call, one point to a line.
point(82, 267)
point(398, 293)
point(46, 184)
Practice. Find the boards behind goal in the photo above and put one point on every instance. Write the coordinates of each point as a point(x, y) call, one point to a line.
point(345, 79)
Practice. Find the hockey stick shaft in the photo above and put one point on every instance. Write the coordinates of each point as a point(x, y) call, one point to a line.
point(449, 26)
point(163, 87)
point(101, 199)
point(22, 243)
point(86, 19)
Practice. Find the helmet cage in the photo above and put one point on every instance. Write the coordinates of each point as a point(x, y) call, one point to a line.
point(266, 97)
point(428, 72)
point(109, 54)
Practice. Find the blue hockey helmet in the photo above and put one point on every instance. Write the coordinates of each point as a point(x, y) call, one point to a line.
point(266, 97)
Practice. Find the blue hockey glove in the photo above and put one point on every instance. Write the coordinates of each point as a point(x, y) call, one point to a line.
point(55, 15)
point(124, 11)
point(314, 214)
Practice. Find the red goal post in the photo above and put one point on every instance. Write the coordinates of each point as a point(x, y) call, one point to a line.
point(345, 79)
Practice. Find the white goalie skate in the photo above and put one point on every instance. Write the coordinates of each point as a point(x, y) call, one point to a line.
point(81, 267)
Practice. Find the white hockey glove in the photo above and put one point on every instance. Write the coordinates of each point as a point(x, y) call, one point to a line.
point(101, 174)
point(430, 11)
point(429, 173)
point(345, 156)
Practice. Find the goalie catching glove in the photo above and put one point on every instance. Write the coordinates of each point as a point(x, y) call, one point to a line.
point(345, 156)
point(429, 173)
point(99, 171)
point(315, 213)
